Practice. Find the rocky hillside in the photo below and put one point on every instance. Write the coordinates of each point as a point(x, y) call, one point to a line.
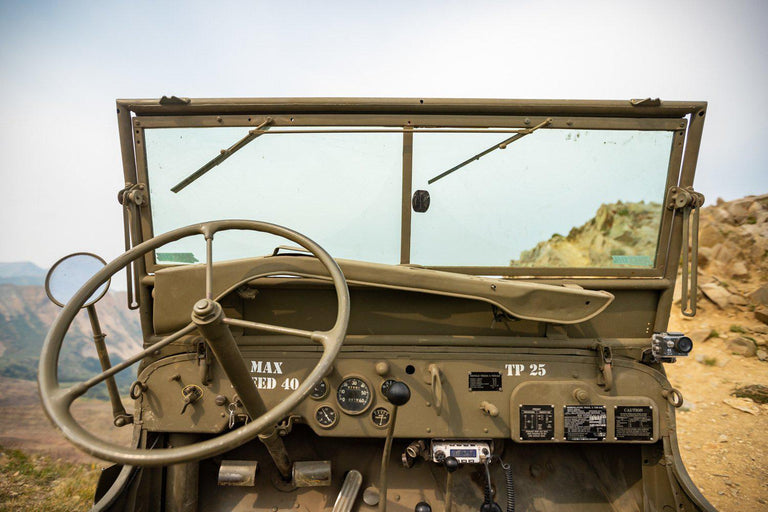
point(733, 254)
point(26, 314)
point(619, 234)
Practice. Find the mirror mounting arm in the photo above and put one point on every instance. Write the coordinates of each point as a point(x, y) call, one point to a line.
point(119, 416)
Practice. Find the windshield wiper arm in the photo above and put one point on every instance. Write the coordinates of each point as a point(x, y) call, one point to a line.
point(225, 153)
point(501, 145)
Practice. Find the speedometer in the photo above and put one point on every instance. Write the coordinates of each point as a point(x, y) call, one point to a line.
point(354, 395)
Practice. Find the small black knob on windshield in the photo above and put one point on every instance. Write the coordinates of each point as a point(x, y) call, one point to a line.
point(398, 394)
point(422, 506)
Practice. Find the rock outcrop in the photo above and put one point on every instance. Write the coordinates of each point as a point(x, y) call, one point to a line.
point(619, 235)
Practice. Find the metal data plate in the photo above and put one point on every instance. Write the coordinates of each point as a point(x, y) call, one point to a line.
point(484, 381)
point(537, 422)
point(585, 422)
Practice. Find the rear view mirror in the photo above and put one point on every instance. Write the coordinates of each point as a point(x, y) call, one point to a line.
point(70, 273)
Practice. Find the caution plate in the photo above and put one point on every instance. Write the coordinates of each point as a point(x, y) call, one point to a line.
point(633, 423)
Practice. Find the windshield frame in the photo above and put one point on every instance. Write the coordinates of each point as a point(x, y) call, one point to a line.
point(564, 115)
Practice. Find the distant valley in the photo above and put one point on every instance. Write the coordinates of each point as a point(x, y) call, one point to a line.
point(26, 314)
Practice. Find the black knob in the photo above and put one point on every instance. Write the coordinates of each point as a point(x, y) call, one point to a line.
point(398, 394)
point(451, 464)
point(422, 506)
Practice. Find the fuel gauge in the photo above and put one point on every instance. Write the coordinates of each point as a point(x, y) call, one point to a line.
point(380, 417)
point(326, 416)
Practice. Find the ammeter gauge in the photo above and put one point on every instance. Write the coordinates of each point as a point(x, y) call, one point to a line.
point(320, 390)
point(325, 416)
point(354, 395)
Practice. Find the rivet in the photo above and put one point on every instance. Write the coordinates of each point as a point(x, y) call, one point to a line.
point(527, 121)
point(485, 430)
point(429, 429)
point(428, 404)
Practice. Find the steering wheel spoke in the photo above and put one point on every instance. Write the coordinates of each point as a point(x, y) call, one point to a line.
point(275, 329)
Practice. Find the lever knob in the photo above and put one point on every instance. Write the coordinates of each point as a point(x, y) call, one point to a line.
point(451, 464)
point(422, 506)
point(398, 394)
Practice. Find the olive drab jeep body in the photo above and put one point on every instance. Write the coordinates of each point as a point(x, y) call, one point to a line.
point(397, 304)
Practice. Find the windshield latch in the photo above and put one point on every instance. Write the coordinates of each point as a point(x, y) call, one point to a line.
point(688, 200)
point(605, 364)
point(645, 102)
point(174, 100)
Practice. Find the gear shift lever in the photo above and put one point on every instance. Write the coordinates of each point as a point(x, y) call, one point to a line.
point(398, 395)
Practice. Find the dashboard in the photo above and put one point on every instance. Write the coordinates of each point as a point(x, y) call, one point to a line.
point(460, 393)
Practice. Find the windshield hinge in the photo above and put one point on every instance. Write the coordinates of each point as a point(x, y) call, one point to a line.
point(688, 200)
point(605, 364)
point(131, 197)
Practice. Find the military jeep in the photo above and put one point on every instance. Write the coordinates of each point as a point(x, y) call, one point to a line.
point(395, 304)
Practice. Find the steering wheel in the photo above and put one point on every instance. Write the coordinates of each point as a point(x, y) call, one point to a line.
point(57, 400)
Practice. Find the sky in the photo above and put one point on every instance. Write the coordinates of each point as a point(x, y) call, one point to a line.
point(63, 64)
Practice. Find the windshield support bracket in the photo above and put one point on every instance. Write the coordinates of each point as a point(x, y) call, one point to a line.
point(689, 201)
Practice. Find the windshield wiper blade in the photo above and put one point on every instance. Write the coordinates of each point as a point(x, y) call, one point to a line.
point(225, 153)
point(501, 145)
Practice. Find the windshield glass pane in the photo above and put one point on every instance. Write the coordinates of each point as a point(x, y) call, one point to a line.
point(341, 190)
point(554, 198)
point(576, 198)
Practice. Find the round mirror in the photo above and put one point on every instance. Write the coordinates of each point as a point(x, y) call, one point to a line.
point(70, 273)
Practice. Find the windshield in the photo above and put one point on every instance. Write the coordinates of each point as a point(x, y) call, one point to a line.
point(551, 198)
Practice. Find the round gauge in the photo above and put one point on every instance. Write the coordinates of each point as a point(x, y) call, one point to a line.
point(354, 395)
point(325, 416)
point(380, 417)
point(320, 390)
point(385, 387)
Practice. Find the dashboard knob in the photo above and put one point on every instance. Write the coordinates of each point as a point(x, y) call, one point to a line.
point(398, 394)
point(422, 506)
point(451, 464)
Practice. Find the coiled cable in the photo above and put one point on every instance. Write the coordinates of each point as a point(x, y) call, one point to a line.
point(510, 485)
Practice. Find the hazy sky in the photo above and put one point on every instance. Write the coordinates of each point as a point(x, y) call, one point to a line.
point(62, 65)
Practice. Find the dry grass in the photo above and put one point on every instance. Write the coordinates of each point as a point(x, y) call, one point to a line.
point(36, 482)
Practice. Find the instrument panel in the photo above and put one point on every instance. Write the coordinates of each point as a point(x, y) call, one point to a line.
point(521, 397)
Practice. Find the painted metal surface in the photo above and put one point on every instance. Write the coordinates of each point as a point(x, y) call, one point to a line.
point(545, 364)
